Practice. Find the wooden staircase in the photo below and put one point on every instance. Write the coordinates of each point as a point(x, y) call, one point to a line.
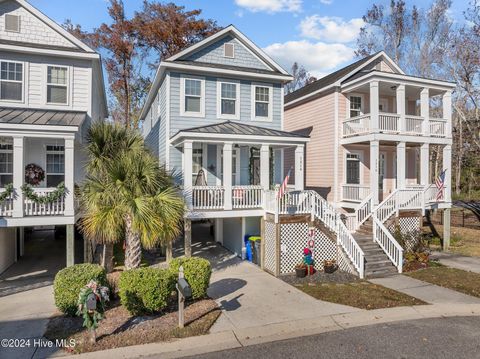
point(377, 264)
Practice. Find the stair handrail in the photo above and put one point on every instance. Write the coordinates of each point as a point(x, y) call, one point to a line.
point(386, 241)
point(363, 211)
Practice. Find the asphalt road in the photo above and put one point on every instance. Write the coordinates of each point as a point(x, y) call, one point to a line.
point(455, 338)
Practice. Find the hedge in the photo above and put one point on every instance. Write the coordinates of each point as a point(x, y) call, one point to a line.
point(197, 272)
point(145, 290)
point(70, 280)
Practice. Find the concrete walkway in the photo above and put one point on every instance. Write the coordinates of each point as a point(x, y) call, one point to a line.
point(250, 297)
point(471, 264)
point(429, 293)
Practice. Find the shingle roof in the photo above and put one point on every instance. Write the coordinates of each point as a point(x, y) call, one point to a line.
point(236, 128)
point(325, 81)
point(41, 117)
point(226, 67)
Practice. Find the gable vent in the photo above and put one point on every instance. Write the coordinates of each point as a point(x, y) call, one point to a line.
point(12, 23)
point(229, 50)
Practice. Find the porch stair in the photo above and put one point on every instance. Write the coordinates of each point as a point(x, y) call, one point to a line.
point(377, 263)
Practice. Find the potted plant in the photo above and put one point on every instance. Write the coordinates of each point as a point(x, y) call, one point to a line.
point(300, 270)
point(329, 266)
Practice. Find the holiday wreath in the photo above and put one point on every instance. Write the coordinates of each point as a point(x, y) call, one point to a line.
point(34, 174)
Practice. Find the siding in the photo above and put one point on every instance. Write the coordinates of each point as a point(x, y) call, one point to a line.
point(214, 54)
point(32, 29)
point(317, 119)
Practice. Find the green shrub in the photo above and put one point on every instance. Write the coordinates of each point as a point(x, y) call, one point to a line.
point(145, 290)
point(197, 273)
point(70, 280)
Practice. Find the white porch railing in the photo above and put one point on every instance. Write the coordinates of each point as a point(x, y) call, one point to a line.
point(355, 192)
point(6, 206)
point(387, 242)
point(356, 125)
point(247, 196)
point(388, 122)
point(413, 125)
point(207, 197)
point(438, 127)
point(55, 208)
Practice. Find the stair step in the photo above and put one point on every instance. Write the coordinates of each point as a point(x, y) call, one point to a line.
point(378, 262)
point(375, 257)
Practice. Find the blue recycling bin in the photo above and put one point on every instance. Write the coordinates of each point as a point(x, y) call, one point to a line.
point(248, 248)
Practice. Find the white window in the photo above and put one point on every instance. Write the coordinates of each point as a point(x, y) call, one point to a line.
point(229, 50)
point(193, 99)
point(12, 23)
point(11, 81)
point(55, 172)
point(355, 106)
point(197, 164)
point(57, 88)
point(262, 102)
point(6, 163)
point(352, 168)
point(228, 99)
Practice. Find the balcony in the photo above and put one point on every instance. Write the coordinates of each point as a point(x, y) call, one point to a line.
point(213, 197)
point(355, 192)
point(391, 123)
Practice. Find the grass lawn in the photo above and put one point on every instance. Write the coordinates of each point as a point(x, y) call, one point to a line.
point(361, 294)
point(464, 241)
point(120, 329)
point(456, 279)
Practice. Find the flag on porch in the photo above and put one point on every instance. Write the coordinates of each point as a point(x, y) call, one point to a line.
point(440, 183)
point(283, 187)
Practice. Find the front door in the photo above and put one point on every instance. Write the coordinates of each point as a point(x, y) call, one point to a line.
point(382, 174)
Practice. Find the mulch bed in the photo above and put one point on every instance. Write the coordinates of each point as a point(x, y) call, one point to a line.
point(120, 329)
point(320, 277)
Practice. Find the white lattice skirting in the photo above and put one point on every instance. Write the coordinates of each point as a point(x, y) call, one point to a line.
point(408, 225)
point(270, 246)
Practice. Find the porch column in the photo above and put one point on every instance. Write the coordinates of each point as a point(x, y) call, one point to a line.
point(447, 112)
point(18, 175)
point(401, 107)
point(424, 164)
point(187, 172)
point(374, 103)
point(265, 167)
point(447, 166)
point(374, 154)
point(425, 111)
point(188, 237)
point(69, 177)
point(227, 175)
point(401, 154)
point(446, 229)
point(70, 244)
point(299, 165)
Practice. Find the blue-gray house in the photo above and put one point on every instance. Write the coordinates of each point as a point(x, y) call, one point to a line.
point(214, 115)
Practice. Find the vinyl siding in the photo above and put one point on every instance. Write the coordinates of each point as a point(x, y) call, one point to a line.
point(214, 54)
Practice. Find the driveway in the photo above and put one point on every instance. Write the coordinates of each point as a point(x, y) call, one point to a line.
point(250, 297)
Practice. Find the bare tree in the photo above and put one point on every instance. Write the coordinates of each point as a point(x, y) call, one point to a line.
point(301, 77)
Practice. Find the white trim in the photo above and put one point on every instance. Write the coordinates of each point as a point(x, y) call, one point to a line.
point(254, 86)
point(247, 139)
point(236, 116)
point(336, 146)
point(49, 52)
point(167, 123)
point(230, 29)
point(225, 52)
point(12, 129)
point(218, 170)
point(205, 160)
point(395, 138)
point(182, 96)
point(385, 169)
point(282, 112)
point(225, 213)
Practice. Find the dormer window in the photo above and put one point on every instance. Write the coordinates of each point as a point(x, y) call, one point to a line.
point(229, 50)
point(12, 23)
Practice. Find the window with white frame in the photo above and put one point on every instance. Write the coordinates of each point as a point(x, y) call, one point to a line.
point(229, 50)
point(11, 81)
point(228, 105)
point(263, 98)
point(355, 106)
point(55, 172)
point(197, 164)
point(57, 88)
point(193, 96)
point(6, 163)
point(353, 168)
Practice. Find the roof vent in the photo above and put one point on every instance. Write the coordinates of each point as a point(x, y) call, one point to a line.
point(12, 23)
point(229, 50)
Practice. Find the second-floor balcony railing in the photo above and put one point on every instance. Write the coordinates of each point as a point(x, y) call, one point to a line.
point(54, 208)
point(392, 123)
point(213, 197)
point(355, 192)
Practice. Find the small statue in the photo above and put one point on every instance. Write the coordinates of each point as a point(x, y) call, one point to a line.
point(308, 261)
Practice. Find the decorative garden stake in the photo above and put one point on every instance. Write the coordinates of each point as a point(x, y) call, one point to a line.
point(308, 261)
point(91, 306)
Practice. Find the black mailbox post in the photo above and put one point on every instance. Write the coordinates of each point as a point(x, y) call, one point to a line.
point(184, 291)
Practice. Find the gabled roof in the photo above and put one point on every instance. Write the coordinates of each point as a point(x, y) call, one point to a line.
point(232, 30)
point(41, 117)
point(336, 78)
point(226, 67)
point(53, 25)
point(236, 128)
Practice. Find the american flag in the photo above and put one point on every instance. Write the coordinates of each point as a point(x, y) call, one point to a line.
point(283, 187)
point(440, 183)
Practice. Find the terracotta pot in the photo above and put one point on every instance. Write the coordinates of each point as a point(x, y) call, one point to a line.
point(301, 272)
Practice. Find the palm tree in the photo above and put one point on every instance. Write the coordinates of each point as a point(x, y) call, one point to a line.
point(127, 195)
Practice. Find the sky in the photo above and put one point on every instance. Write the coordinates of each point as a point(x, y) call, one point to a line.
point(319, 34)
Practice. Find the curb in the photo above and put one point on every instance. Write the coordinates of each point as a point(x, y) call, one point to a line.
point(238, 338)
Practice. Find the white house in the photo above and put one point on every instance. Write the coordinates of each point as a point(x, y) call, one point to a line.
point(51, 89)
